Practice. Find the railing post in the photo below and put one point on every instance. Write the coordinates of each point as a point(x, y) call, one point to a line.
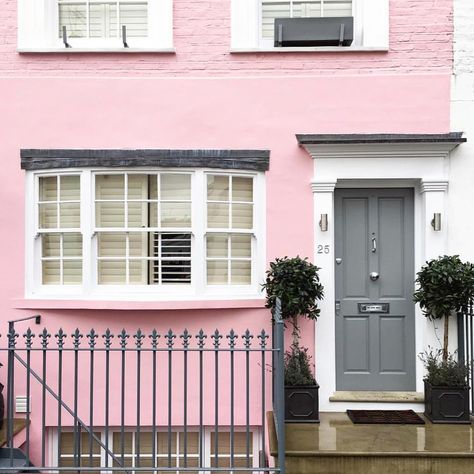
point(461, 326)
point(279, 385)
point(10, 386)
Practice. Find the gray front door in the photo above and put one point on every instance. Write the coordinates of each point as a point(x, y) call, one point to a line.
point(375, 325)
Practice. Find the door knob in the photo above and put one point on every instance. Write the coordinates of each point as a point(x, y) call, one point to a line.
point(374, 276)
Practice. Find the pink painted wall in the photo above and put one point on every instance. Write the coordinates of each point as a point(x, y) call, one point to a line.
point(420, 41)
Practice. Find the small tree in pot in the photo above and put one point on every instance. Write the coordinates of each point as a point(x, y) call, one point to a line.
point(445, 286)
point(296, 282)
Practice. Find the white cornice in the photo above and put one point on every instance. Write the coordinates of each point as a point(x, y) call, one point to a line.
point(323, 186)
point(428, 186)
point(380, 150)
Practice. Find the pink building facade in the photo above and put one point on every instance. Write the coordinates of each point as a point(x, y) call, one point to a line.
point(206, 76)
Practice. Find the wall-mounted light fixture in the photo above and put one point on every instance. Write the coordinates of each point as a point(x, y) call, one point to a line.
point(436, 221)
point(323, 223)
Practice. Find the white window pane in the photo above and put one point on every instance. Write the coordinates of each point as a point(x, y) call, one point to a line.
point(241, 246)
point(217, 188)
point(70, 215)
point(138, 272)
point(217, 246)
point(217, 215)
point(175, 246)
point(48, 187)
point(135, 17)
point(242, 189)
point(112, 244)
point(103, 20)
point(175, 187)
point(72, 245)
point(51, 245)
point(51, 272)
point(270, 11)
point(72, 272)
point(242, 216)
point(217, 272)
point(138, 186)
point(176, 271)
point(337, 8)
point(110, 214)
point(176, 214)
point(70, 188)
point(240, 272)
point(138, 244)
point(74, 17)
point(192, 445)
point(153, 216)
point(112, 272)
point(137, 214)
point(110, 186)
point(306, 9)
point(48, 216)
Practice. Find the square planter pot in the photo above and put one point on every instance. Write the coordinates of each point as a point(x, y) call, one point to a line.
point(302, 404)
point(447, 404)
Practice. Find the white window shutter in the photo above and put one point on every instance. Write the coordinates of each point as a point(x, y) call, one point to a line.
point(376, 24)
point(244, 24)
point(161, 23)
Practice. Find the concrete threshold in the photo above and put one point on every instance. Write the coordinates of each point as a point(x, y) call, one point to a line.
point(378, 397)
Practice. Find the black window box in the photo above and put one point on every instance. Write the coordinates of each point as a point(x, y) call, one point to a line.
point(331, 31)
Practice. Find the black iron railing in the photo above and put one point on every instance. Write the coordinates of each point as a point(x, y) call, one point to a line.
point(145, 402)
point(466, 343)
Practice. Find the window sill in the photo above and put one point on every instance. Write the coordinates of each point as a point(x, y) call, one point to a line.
point(96, 50)
point(38, 304)
point(312, 49)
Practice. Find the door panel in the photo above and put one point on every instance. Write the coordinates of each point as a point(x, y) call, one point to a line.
point(375, 349)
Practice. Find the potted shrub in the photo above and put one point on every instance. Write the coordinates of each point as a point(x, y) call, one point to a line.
point(445, 286)
point(296, 282)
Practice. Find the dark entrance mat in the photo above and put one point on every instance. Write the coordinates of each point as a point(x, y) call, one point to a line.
point(380, 417)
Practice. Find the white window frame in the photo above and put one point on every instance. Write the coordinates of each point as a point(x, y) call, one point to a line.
point(91, 290)
point(38, 30)
point(255, 446)
point(371, 28)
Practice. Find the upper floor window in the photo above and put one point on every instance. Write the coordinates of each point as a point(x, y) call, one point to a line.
point(253, 20)
point(95, 24)
point(183, 232)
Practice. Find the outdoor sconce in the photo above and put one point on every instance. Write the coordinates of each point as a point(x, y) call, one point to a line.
point(436, 222)
point(323, 223)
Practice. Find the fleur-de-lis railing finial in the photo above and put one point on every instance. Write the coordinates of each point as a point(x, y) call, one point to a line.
point(76, 338)
point(247, 337)
point(123, 336)
point(12, 337)
point(169, 339)
point(154, 336)
point(29, 336)
point(139, 336)
point(232, 336)
point(185, 337)
point(201, 339)
point(60, 336)
point(44, 336)
point(92, 336)
point(216, 337)
point(263, 336)
point(108, 336)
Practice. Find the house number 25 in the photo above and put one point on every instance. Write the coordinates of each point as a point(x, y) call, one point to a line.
point(323, 249)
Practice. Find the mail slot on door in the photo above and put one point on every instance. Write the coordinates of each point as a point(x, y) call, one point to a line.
point(374, 308)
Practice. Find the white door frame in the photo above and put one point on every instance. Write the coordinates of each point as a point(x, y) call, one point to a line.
point(424, 167)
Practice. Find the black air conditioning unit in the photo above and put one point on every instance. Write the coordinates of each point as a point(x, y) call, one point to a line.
point(330, 31)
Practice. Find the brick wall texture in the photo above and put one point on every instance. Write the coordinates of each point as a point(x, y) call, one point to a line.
point(420, 42)
point(464, 36)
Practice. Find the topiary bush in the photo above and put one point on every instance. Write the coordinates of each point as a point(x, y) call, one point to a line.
point(298, 369)
point(445, 285)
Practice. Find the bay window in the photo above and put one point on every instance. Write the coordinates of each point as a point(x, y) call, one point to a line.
point(166, 234)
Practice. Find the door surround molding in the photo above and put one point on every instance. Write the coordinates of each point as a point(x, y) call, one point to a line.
point(422, 166)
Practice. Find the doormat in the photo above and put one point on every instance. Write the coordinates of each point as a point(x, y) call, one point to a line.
point(390, 417)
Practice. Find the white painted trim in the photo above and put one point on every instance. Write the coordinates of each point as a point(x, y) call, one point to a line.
point(423, 167)
point(96, 50)
point(311, 49)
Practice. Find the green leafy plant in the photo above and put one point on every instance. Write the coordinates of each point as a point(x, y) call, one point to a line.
point(296, 282)
point(444, 373)
point(445, 285)
point(298, 369)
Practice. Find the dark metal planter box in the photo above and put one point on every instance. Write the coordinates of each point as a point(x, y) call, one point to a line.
point(302, 404)
point(332, 31)
point(447, 404)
